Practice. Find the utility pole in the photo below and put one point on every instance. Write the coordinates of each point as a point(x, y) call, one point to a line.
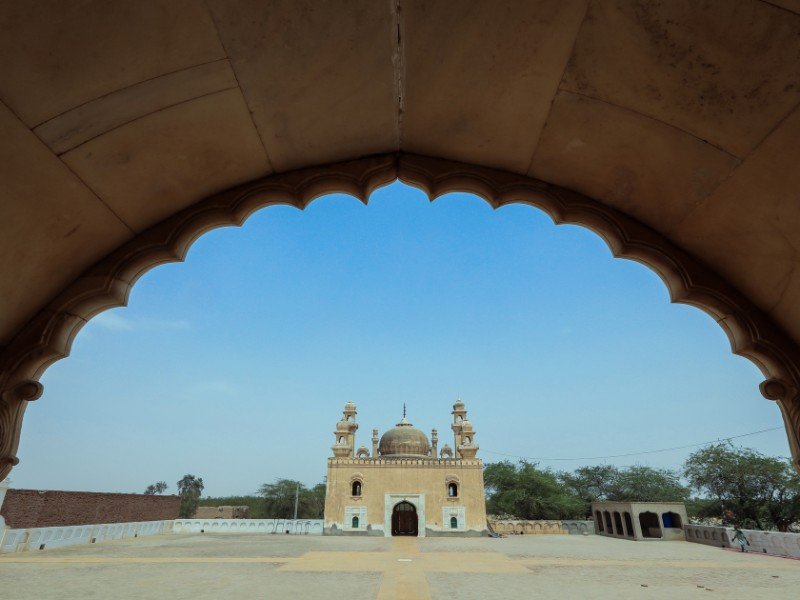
point(296, 498)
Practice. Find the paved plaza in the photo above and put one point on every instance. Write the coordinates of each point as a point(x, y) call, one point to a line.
point(255, 566)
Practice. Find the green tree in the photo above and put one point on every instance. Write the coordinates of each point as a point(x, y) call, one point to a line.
point(276, 500)
point(279, 498)
point(156, 488)
point(189, 489)
point(646, 484)
point(315, 502)
point(524, 491)
point(590, 484)
point(637, 483)
point(761, 491)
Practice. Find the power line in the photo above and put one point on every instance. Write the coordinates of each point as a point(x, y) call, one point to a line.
point(725, 439)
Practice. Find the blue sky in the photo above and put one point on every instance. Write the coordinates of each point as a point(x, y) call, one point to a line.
point(234, 365)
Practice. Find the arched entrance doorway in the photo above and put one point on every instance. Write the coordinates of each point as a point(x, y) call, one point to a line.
point(404, 519)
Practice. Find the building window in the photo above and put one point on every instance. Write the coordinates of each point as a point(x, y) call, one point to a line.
point(452, 490)
point(355, 522)
point(599, 520)
point(453, 523)
point(356, 488)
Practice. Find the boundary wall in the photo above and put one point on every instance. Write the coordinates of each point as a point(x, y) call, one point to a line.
point(27, 509)
point(541, 527)
point(284, 526)
point(41, 538)
point(45, 538)
point(765, 542)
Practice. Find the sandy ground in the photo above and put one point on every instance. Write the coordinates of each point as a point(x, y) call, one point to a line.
point(272, 567)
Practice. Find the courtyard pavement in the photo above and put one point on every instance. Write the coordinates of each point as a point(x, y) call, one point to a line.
point(305, 567)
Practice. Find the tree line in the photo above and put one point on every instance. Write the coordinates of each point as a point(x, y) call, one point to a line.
point(272, 501)
point(276, 500)
point(735, 485)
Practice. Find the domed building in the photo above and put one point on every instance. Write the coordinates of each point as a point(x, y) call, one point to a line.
point(405, 484)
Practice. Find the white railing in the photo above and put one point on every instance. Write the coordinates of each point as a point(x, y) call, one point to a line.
point(763, 542)
point(40, 538)
point(284, 526)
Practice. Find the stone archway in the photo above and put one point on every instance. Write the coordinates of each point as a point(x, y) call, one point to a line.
point(48, 337)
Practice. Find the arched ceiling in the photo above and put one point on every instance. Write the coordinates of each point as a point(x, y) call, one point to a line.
point(114, 115)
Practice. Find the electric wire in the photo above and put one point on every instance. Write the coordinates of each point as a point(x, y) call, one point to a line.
point(717, 441)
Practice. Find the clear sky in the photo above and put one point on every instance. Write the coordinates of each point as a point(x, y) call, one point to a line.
point(234, 365)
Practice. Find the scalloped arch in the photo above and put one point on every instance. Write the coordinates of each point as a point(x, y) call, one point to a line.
point(48, 336)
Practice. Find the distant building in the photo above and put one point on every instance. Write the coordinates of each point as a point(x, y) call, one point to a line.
point(405, 485)
point(222, 512)
point(640, 520)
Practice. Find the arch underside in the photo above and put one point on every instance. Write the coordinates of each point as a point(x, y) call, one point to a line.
point(678, 122)
point(48, 337)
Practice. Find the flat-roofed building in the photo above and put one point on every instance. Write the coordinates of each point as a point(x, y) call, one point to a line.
point(640, 520)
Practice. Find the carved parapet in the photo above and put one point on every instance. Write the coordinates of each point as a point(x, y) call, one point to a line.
point(468, 450)
point(341, 450)
point(12, 408)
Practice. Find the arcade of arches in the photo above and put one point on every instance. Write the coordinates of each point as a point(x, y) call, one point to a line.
point(129, 129)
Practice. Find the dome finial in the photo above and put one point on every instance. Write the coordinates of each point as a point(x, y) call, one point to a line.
point(404, 410)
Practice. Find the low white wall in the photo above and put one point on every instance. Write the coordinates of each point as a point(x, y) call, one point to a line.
point(765, 542)
point(535, 527)
point(21, 540)
point(298, 527)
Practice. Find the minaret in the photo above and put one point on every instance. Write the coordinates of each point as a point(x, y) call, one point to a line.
point(468, 447)
point(341, 446)
point(350, 416)
point(434, 443)
point(374, 443)
point(459, 416)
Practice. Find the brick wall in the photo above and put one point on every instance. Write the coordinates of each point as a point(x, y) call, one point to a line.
point(23, 509)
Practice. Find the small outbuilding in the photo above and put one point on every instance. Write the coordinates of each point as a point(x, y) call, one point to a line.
point(640, 520)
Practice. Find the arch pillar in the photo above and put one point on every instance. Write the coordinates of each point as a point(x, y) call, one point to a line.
point(13, 402)
point(787, 397)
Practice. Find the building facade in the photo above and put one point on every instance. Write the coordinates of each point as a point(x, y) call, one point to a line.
point(405, 484)
point(640, 520)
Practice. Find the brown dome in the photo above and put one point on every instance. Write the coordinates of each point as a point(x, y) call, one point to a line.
point(404, 440)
